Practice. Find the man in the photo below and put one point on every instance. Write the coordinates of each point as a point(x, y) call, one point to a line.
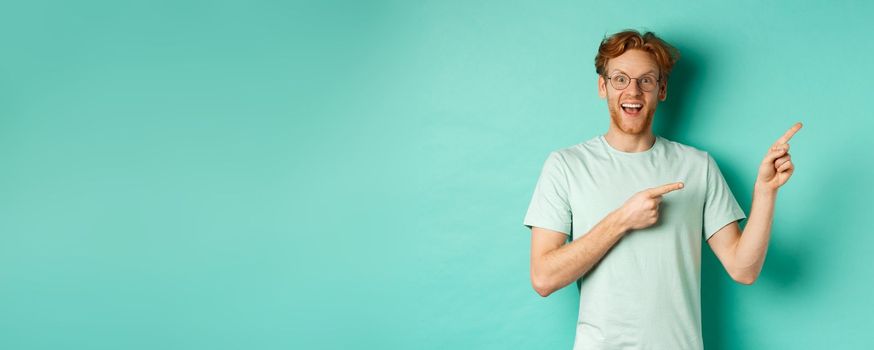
point(636, 206)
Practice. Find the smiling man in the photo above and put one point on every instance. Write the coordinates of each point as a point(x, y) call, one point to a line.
point(624, 213)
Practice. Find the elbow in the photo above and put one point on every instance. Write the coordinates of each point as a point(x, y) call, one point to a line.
point(542, 290)
point(745, 279)
point(542, 286)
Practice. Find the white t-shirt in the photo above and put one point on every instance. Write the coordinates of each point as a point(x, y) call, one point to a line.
point(645, 293)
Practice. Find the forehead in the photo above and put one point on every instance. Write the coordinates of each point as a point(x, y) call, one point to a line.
point(633, 62)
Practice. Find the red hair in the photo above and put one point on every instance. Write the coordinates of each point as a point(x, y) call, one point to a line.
point(615, 45)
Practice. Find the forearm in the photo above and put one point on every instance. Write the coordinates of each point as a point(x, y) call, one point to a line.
point(560, 267)
point(752, 246)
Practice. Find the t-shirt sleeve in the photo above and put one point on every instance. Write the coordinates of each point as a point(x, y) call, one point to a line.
point(720, 206)
point(550, 208)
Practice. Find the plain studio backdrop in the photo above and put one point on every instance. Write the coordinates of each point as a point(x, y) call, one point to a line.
point(334, 175)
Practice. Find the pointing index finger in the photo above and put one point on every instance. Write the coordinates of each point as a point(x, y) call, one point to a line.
point(663, 189)
point(788, 135)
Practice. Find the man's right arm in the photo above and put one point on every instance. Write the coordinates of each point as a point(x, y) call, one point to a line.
point(554, 264)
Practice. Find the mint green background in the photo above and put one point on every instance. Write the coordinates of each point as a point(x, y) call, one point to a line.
point(274, 175)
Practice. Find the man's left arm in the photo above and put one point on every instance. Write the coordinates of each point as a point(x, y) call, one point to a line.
point(743, 255)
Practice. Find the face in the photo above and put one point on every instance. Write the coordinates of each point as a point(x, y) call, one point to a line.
point(630, 119)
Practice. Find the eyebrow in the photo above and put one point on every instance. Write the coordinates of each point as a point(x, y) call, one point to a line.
point(623, 72)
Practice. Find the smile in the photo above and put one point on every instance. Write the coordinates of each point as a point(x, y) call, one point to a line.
point(632, 108)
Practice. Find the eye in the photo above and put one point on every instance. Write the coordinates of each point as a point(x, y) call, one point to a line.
point(621, 79)
point(647, 80)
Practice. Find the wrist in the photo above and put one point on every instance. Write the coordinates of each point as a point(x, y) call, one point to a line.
point(618, 223)
point(762, 190)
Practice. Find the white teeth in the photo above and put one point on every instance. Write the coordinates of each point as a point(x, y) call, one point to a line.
point(632, 105)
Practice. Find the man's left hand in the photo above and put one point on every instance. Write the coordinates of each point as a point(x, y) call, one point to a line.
point(777, 166)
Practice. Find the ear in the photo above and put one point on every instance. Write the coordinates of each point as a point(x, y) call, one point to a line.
point(663, 91)
point(602, 86)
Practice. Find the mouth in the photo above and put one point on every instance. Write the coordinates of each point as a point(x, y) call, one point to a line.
point(632, 109)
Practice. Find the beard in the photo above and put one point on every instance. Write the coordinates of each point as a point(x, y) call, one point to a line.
point(631, 126)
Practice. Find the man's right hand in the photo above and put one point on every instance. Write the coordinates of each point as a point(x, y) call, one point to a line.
point(642, 209)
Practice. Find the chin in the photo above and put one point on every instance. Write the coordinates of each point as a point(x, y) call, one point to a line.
point(631, 128)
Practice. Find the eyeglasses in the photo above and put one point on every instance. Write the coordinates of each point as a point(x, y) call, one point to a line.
point(621, 81)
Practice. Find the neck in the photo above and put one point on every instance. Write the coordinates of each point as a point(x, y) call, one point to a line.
point(630, 142)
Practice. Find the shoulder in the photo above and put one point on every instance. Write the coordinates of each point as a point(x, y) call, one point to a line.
point(580, 152)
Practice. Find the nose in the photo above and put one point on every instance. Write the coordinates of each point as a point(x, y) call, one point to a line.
point(634, 88)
